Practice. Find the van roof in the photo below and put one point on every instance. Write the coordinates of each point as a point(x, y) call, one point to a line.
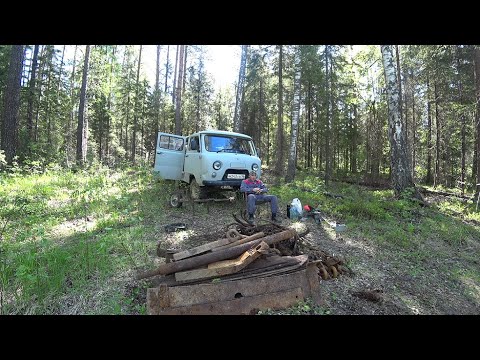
point(221, 132)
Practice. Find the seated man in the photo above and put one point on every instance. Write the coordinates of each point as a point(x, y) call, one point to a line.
point(255, 190)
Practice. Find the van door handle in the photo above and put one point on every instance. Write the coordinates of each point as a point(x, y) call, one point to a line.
point(186, 155)
point(159, 152)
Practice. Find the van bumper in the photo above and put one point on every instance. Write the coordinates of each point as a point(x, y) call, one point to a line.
point(218, 183)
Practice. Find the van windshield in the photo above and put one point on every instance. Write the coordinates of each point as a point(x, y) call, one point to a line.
point(232, 144)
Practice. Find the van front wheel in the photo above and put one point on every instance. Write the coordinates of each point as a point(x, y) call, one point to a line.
point(175, 199)
point(196, 191)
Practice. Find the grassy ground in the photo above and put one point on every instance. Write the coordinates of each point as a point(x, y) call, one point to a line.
point(70, 242)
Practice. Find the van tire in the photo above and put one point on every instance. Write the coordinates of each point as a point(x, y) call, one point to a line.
point(197, 192)
point(175, 198)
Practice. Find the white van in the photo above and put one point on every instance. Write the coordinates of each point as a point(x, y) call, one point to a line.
point(206, 160)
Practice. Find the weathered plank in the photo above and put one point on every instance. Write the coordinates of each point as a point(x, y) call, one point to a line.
point(197, 261)
point(202, 248)
point(223, 267)
point(213, 297)
point(242, 306)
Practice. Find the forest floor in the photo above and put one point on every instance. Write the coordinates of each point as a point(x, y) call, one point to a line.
point(433, 278)
point(72, 243)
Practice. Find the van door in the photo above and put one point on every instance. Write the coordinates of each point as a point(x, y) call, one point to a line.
point(193, 165)
point(170, 156)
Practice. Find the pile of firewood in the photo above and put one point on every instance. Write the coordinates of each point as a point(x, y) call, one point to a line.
point(243, 251)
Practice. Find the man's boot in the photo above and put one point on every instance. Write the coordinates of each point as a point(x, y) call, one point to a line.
point(250, 219)
point(274, 218)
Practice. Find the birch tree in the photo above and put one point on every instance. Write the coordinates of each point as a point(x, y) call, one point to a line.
point(400, 165)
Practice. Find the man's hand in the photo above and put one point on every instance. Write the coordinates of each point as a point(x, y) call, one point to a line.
point(257, 190)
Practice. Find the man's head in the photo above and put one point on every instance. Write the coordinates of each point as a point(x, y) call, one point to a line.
point(252, 175)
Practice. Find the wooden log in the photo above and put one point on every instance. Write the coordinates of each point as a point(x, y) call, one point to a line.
point(240, 241)
point(208, 258)
point(223, 267)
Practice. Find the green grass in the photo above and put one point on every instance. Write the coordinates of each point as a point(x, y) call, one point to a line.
point(67, 234)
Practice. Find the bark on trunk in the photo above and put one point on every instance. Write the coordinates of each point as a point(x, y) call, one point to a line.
point(400, 165)
point(12, 103)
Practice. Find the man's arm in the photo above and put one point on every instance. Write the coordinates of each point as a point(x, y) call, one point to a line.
point(243, 187)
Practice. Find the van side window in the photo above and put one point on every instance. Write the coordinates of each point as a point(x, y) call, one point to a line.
point(171, 143)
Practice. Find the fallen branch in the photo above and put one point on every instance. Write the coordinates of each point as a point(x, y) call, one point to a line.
point(444, 193)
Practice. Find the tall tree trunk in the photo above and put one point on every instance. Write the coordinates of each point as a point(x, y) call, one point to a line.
point(400, 100)
point(463, 122)
point(290, 176)
point(184, 69)
point(166, 68)
point(477, 114)
point(414, 132)
point(429, 178)
point(178, 120)
point(328, 94)
point(12, 103)
point(72, 112)
point(237, 119)
point(400, 165)
point(174, 89)
point(109, 104)
point(437, 179)
point(135, 114)
point(31, 95)
point(353, 160)
point(40, 92)
point(279, 165)
point(309, 126)
point(157, 98)
point(82, 128)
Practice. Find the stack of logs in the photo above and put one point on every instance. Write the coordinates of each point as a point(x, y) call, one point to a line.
point(245, 251)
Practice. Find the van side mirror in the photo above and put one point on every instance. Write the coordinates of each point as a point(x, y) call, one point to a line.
point(258, 152)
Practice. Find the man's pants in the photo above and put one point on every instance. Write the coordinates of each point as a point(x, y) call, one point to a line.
point(252, 198)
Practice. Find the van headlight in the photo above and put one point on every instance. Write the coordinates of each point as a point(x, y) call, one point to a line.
point(217, 165)
point(254, 167)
